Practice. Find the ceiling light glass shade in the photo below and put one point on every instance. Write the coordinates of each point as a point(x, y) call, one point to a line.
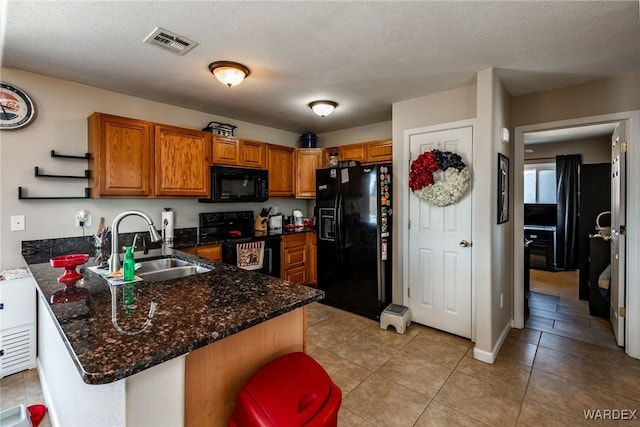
point(323, 108)
point(229, 73)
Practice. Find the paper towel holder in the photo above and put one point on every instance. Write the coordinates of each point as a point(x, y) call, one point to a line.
point(167, 227)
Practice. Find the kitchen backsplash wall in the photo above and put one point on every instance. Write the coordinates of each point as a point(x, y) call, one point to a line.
point(61, 125)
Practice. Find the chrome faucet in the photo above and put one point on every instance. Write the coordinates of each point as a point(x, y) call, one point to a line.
point(145, 247)
point(114, 260)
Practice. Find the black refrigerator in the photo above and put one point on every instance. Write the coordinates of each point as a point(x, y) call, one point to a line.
point(353, 218)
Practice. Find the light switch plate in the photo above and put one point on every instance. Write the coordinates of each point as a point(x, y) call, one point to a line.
point(17, 223)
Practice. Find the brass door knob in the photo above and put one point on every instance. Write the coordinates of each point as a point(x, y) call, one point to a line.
point(465, 244)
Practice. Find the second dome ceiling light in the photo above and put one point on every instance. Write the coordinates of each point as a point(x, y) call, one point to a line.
point(231, 73)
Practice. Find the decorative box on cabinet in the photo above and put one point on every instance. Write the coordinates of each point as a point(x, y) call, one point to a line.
point(18, 323)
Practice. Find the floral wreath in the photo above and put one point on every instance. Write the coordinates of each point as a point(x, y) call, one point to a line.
point(444, 191)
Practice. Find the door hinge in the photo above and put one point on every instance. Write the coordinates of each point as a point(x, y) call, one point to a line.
point(409, 224)
point(623, 147)
point(409, 292)
point(622, 312)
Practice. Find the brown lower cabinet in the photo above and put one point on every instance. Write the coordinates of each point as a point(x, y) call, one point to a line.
point(312, 262)
point(212, 252)
point(298, 255)
point(294, 256)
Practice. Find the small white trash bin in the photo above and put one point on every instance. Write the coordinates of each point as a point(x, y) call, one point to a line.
point(15, 416)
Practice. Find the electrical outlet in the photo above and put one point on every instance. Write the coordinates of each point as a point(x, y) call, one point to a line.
point(17, 223)
point(83, 216)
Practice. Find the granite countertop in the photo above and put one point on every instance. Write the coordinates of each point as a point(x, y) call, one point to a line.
point(192, 312)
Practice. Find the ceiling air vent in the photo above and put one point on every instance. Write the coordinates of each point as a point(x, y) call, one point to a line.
point(170, 41)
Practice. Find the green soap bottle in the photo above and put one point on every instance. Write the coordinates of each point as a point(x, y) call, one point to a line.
point(128, 265)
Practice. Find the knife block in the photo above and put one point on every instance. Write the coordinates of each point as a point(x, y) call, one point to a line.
point(260, 223)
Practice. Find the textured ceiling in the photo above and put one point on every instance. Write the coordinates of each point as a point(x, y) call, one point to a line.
point(363, 55)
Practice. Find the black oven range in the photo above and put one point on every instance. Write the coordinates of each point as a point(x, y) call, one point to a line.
point(234, 228)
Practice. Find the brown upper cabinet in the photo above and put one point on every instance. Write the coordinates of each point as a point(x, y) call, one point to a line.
point(280, 163)
point(252, 154)
point(182, 161)
point(137, 158)
point(226, 150)
point(231, 151)
point(307, 161)
point(379, 151)
point(356, 152)
point(121, 156)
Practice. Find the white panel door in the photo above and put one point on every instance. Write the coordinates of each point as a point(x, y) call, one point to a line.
point(618, 221)
point(439, 264)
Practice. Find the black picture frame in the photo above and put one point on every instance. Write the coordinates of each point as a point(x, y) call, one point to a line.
point(503, 188)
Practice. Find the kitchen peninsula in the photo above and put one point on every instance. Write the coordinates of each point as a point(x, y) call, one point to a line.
point(210, 332)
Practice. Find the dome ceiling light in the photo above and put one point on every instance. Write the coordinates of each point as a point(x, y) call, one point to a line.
point(323, 108)
point(229, 73)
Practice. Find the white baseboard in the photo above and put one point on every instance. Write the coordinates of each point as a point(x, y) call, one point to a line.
point(490, 357)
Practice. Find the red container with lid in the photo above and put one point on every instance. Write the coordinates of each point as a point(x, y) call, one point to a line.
point(292, 390)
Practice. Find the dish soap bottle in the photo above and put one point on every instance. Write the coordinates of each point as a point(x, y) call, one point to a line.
point(128, 265)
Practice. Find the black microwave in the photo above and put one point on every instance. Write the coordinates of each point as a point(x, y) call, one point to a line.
point(230, 184)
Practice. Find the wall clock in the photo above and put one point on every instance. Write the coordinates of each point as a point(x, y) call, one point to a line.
point(16, 108)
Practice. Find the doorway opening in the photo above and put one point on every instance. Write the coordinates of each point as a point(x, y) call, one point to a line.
point(557, 249)
point(632, 299)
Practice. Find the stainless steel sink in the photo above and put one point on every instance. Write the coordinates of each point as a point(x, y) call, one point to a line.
point(157, 270)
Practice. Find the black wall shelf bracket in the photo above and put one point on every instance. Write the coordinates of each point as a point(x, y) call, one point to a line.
point(21, 196)
point(87, 174)
point(65, 156)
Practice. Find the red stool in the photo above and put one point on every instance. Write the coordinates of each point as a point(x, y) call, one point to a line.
point(292, 390)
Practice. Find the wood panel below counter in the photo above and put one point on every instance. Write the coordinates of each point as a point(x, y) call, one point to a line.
point(215, 374)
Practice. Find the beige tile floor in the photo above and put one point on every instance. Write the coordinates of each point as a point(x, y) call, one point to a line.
point(429, 378)
point(546, 374)
point(22, 388)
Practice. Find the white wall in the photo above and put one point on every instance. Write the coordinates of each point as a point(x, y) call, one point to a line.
point(370, 132)
point(594, 150)
point(492, 243)
point(443, 107)
point(61, 124)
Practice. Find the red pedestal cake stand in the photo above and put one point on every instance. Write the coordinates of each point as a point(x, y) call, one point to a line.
point(70, 293)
